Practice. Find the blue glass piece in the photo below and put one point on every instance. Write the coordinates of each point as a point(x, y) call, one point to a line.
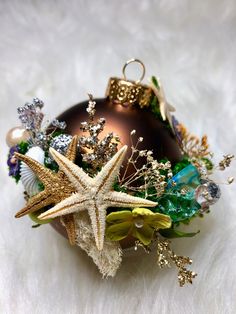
point(187, 176)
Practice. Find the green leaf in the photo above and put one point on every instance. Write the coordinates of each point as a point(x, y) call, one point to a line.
point(34, 218)
point(118, 231)
point(17, 177)
point(23, 147)
point(208, 163)
point(40, 186)
point(154, 81)
point(180, 165)
point(36, 226)
point(172, 233)
point(57, 133)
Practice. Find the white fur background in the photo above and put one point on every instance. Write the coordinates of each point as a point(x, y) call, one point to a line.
point(60, 50)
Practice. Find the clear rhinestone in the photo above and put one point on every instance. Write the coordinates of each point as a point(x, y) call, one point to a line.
point(207, 193)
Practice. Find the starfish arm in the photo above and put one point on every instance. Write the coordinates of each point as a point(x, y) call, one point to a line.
point(163, 110)
point(169, 118)
point(75, 174)
point(97, 214)
point(68, 221)
point(74, 203)
point(119, 199)
point(163, 102)
point(170, 107)
point(72, 149)
point(108, 174)
point(35, 203)
point(159, 92)
point(44, 175)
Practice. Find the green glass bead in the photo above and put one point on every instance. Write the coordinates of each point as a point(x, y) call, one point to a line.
point(178, 201)
point(178, 207)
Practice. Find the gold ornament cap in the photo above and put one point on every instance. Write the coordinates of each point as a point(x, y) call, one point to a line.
point(129, 92)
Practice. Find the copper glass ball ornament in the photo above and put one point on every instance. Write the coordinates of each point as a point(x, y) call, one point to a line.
point(125, 108)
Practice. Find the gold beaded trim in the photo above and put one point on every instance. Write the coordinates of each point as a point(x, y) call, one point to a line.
point(128, 92)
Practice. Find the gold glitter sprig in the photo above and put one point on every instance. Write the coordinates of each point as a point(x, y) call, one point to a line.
point(147, 175)
point(166, 256)
point(193, 146)
point(146, 248)
point(226, 161)
point(96, 151)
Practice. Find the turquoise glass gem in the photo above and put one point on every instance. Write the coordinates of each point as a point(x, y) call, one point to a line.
point(187, 176)
point(179, 199)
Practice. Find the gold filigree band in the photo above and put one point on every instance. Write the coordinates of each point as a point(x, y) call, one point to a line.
point(127, 91)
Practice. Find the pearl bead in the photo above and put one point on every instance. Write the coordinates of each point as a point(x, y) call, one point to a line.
point(138, 223)
point(16, 135)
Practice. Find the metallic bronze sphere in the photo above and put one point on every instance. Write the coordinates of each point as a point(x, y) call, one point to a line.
point(122, 119)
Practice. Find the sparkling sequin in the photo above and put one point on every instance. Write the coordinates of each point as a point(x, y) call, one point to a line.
point(61, 142)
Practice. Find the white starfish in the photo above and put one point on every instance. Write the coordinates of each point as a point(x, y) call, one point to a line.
point(165, 107)
point(94, 194)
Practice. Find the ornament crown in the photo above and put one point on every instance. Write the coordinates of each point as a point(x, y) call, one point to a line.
point(129, 92)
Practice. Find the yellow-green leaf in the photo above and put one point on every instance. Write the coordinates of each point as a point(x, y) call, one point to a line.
point(119, 231)
point(119, 216)
point(172, 233)
point(144, 234)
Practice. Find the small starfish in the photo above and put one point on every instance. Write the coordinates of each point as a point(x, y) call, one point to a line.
point(165, 107)
point(94, 194)
point(56, 188)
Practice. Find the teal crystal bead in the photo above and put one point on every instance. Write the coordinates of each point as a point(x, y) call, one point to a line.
point(187, 176)
point(179, 199)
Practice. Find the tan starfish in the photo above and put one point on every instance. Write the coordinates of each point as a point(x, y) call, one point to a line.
point(94, 194)
point(165, 107)
point(56, 188)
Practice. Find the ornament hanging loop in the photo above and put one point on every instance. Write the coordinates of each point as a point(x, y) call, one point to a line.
point(139, 62)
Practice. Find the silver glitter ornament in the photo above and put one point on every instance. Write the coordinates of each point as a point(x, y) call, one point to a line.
point(61, 142)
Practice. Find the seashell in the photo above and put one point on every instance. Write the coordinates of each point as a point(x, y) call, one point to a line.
point(28, 177)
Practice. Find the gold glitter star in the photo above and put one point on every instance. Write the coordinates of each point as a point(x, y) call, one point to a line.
point(94, 194)
point(56, 188)
point(165, 107)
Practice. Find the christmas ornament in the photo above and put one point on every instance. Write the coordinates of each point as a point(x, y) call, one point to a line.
point(117, 172)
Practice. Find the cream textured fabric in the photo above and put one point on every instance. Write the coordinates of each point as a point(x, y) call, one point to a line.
point(59, 51)
point(109, 259)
